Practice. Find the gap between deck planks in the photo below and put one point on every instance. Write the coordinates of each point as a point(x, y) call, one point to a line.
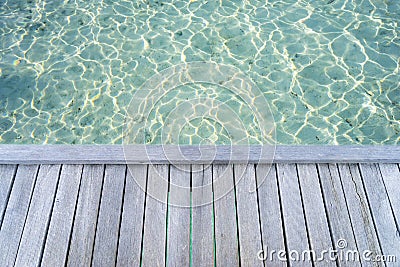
point(81, 215)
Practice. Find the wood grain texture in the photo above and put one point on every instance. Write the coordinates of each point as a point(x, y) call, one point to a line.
point(38, 218)
point(57, 241)
point(386, 226)
point(7, 175)
point(359, 211)
point(130, 234)
point(227, 243)
point(292, 210)
point(155, 226)
point(336, 207)
point(108, 221)
point(314, 209)
point(202, 216)
point(85, 220)
point(138, 154)
point(178, 235)
point(248, 217)
point(270, 213)
point(391, 178)
point(16, 212)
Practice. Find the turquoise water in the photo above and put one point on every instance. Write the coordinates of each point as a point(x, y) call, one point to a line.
point(329, 69)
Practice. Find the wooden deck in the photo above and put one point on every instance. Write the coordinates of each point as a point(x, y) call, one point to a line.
point(83, 215)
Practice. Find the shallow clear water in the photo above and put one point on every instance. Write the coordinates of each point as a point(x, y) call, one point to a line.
point(328, 68)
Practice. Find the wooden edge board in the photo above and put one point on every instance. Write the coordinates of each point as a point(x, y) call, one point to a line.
point(186, 154)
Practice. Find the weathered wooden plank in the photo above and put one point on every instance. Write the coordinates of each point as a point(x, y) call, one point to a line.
point(227, 243)
point(7, 175)
point(247, 213)
point(130, 237)
point(391, 178)
point(360, 214)
point(16, 212)
point(202, 216)
point(85, 220)
point(336, 207)
point(292, 210)
point(154, 239)
point(131, 154)
point(156, 154)
point(314, 209)
point(38, 218)
point(388, 232)
point(108, 221)
point(56, 246)
point(270, 214)
point(178, 234)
